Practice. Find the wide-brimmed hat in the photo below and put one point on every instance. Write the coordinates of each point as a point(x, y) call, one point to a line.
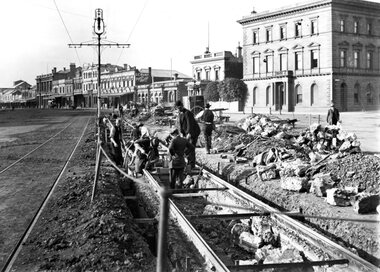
point(208, 105)
point(178, 103)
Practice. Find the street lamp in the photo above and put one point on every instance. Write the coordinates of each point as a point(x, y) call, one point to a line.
point(99, 30)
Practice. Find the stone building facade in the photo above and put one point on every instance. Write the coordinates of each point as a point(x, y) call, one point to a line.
point(306, 56)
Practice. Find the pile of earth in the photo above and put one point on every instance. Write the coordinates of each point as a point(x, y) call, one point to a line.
point(356, 170)
point(74, 234)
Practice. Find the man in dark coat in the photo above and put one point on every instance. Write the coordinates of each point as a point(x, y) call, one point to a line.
point(332, 115)
point(177, 149)
point(208, 119)
point(189, 128)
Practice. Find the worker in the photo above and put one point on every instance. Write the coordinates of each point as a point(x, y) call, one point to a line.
point(146, 150)
point(116, 138)
point(189, 128)
point(207, 119)
point(177, 149)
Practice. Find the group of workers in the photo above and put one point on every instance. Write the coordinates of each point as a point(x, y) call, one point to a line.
point(143, 146)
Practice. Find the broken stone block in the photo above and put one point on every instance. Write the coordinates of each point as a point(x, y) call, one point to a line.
point(250, 242)
point(365, 203)
point(238, 229)
point(286, 255)
point(345, 146)
point(248, 262)
point(320, 183)
point(298, 184)
point(263, 252)
point(338, 197)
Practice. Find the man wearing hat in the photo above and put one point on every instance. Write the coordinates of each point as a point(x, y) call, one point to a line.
point(332, 115)
point(189, 128)
point(177, 149)
point(208, 119)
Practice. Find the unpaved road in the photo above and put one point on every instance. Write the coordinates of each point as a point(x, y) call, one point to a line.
point(47, 137)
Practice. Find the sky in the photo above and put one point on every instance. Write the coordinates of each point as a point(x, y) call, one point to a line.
point(163, 34)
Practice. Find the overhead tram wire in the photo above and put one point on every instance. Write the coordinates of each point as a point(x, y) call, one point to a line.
point(134, 26)
point(67, 31)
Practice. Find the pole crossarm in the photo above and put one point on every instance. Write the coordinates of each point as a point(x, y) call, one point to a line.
point(122, 45)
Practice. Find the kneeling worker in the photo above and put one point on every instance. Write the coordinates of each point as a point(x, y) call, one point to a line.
point(177, 149)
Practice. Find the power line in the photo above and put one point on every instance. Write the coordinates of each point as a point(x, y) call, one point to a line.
point(67, 31)
point(130, 34)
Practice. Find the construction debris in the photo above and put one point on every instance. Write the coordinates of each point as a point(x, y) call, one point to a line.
point(365, 203)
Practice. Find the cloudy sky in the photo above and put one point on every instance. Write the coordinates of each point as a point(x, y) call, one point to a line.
point(163, 34)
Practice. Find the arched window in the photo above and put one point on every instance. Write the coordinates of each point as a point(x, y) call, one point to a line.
point(298, 94)
point(267, 95)
point(254, 93)
point(313, 94)
point(356, 93)
point(369, 94)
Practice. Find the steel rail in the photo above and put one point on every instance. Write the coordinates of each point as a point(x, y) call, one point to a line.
point(13, 256)
point(308, 233)
point(190, 231)
point(38, 147)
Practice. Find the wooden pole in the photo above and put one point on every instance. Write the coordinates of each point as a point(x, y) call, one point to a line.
point(163, 230)
point(97, 170)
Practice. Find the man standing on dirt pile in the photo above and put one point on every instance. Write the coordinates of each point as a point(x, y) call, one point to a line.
point(189, 128)
point(332, 115)
point(177, 149)
point(208, 119)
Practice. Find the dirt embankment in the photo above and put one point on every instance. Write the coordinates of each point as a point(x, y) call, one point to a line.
point(73, 235)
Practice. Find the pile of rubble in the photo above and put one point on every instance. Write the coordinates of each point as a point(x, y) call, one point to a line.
point(319, 160)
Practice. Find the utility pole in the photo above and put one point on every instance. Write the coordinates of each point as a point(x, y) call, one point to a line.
point(99, 31)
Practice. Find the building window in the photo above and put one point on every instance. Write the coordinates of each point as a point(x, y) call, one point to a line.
point(256, 65)
point(298, 28)
point(198, 75)
point(298, 94)
point(267, 96)
point(268, 32)
point(216, 74)
point(255, 37)
point(313, 94)
point(282, 32)
point(268, 64)
point(208, 75)
point(298, 61)
point(369, 60)
point(356, 27)
point(283, 62)
point(356, 93)
point(254, 96)
point(342, 58)
point(313, 27)
point(314, 58)
point(369, 28)
point(356, 59)
point(342, 25)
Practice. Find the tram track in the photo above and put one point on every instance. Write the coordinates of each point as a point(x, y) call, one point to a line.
point(320, 252)
point(35, 149)
point(35, 175)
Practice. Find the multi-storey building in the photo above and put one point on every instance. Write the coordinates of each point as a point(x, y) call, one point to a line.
point(217, 66)
point(306, 56)
point(44, 84)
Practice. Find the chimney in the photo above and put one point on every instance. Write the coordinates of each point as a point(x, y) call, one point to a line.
point(54, 70)
point(72, 67)
point(238, 51)
point(127, 67)
point(207, 50)
point(253, 11)
point(64, 68)
point(175, 76)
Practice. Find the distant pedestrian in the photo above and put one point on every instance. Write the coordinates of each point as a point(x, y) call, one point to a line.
point(177, 149)
point(116, 138)
point(121, 111)
point(332, 115)
point(189, 128)
point(208, 120)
